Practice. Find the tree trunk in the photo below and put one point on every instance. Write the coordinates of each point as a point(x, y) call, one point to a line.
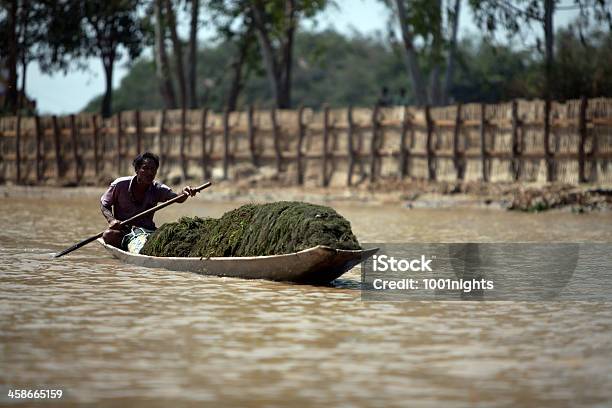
point(410, 57)
point(236, 85)
point(178, 53)
point(193, 50)
point(285, 83)
point(435, 76)
point(450, 61)
point(267, 52)
point(162, 67)
point(24, 53)
point(23, 100)
point(435, 88)
point(10, 103)
point(108, 63)
point(549, 33)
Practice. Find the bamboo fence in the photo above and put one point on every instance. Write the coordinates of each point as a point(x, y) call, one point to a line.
point(515, 141)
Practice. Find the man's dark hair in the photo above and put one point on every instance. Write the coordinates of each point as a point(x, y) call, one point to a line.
point(139, 160)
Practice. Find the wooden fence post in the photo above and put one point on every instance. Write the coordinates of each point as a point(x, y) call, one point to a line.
point(458, 155)
point(351, 149)
point(582, 128)
point(18, 150)
point(160, 140)
point(96, 143)
point(483, 144)
point(550, 164)
point(431, 154)
point(276, 134)
point(182, 144)
point(593, 157)
point(404, 150)
point(39, 140)
point(324, 179)
point(300, 143)
point(226, 136)
point(56, 147)
point(2, 160)
point(119, 137)
point(75, 152)
point(374, 143)
point(203, 136)
point(251, 136)
point(516, 163)
point(138, 126)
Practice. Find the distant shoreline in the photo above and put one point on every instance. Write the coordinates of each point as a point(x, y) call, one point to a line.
point(414, 194)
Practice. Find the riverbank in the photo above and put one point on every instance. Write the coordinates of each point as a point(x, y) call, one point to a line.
point(409, 194)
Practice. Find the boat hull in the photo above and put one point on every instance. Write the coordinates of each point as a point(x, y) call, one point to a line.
point(317, 265)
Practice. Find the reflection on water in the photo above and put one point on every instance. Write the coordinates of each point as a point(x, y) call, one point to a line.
point(105, 332)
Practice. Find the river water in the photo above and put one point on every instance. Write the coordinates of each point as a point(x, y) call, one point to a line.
point(110, 334)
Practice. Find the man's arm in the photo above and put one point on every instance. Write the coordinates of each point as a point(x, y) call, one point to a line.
point(108, 214)
point(106, 206)
point(189, 192)
point(166, 193)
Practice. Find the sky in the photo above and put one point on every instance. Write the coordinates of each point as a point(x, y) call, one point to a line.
point(62, 94)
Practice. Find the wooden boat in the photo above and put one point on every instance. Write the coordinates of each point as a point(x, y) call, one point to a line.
point(318, 265)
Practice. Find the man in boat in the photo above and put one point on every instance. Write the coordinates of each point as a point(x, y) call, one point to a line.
point(128, 196)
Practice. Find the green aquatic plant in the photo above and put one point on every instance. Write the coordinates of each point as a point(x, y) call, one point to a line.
point(254, 230)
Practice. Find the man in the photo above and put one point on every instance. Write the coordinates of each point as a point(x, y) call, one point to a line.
point(131, 195)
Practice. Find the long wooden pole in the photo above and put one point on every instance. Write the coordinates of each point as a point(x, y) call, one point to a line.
point(251, 135)
point(138, 132)
point(431, 159)
point(119, 137)
point(351, 149)
point(129, 220)
point(75, 151)
point(277, 147)
point(56, 148)
point(325, 178)
point(299, 154)
point(484, 153)
point(183, 140)
point(404, 151)
point(549, 159)
point(204, 159)
point(458, 155)
point(226, 144)
point(374, 144)
point(18, 150)
point(582, 128)
point(39, 140)
point(516, 151)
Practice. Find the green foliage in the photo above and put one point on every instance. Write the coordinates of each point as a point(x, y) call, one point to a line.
point(328, 68)
point(487, 73)
point(583, 66)
point(254, 230)
point(341, 71)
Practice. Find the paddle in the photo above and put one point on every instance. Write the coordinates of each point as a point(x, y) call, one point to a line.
point(129, 220)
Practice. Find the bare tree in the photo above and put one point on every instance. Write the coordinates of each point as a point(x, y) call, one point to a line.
point(193, 49)
point(452, 51)
point(244, 45)
point(410, 55)
point(111, 26)
point(178, 53)
point(162, 67)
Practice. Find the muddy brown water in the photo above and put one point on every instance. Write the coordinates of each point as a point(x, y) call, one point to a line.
point(110, 334)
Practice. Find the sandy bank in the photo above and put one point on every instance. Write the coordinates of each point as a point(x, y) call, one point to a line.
point(409, 194)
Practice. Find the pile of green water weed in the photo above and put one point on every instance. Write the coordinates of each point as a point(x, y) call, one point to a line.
point(254, 230)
